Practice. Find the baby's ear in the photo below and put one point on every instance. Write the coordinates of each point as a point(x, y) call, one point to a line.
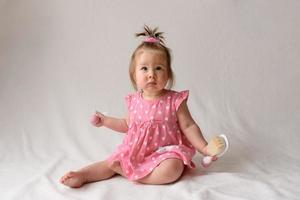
point(134, 77)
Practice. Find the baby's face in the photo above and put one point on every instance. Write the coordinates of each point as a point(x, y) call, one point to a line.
point(151, 72)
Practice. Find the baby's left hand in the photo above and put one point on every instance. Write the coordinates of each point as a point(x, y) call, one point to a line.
point(207, 161)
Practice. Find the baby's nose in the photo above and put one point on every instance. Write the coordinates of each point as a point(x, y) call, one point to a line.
point(151, 74)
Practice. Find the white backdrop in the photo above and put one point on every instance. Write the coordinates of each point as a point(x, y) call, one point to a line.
point(61, 60)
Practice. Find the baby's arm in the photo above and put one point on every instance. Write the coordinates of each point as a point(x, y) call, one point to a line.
point(190, 129)
point(116, 124)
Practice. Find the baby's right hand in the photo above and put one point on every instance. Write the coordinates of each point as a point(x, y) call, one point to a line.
point(97, 119)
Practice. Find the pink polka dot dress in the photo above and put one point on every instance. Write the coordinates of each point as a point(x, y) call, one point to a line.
point(153, 136)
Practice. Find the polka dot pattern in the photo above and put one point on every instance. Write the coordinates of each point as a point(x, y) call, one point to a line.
point(153, 136)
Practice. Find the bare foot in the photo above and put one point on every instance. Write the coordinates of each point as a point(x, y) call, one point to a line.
point(73, 179)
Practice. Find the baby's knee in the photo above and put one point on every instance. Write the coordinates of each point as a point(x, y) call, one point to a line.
point(173, 170)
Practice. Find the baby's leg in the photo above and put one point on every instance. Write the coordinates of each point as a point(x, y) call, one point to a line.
point(116, 167)
point(167, 172)
point(94, 172)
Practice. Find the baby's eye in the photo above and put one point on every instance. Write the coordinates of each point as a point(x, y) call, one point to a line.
point(158, 68)
point(144, 68)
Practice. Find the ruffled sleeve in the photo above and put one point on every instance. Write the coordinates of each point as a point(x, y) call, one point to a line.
point(128, 99)
point(181, 96)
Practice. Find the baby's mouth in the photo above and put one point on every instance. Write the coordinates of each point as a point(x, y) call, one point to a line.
point(151, 83)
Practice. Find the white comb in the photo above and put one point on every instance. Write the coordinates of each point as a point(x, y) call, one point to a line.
point(219, 152)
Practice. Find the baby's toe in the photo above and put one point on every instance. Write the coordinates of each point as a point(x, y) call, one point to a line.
point(66, 177)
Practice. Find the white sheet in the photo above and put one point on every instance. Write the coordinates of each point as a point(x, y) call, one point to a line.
point(60, 60)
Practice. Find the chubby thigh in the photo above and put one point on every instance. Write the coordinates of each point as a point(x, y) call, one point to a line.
point(167, 171)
